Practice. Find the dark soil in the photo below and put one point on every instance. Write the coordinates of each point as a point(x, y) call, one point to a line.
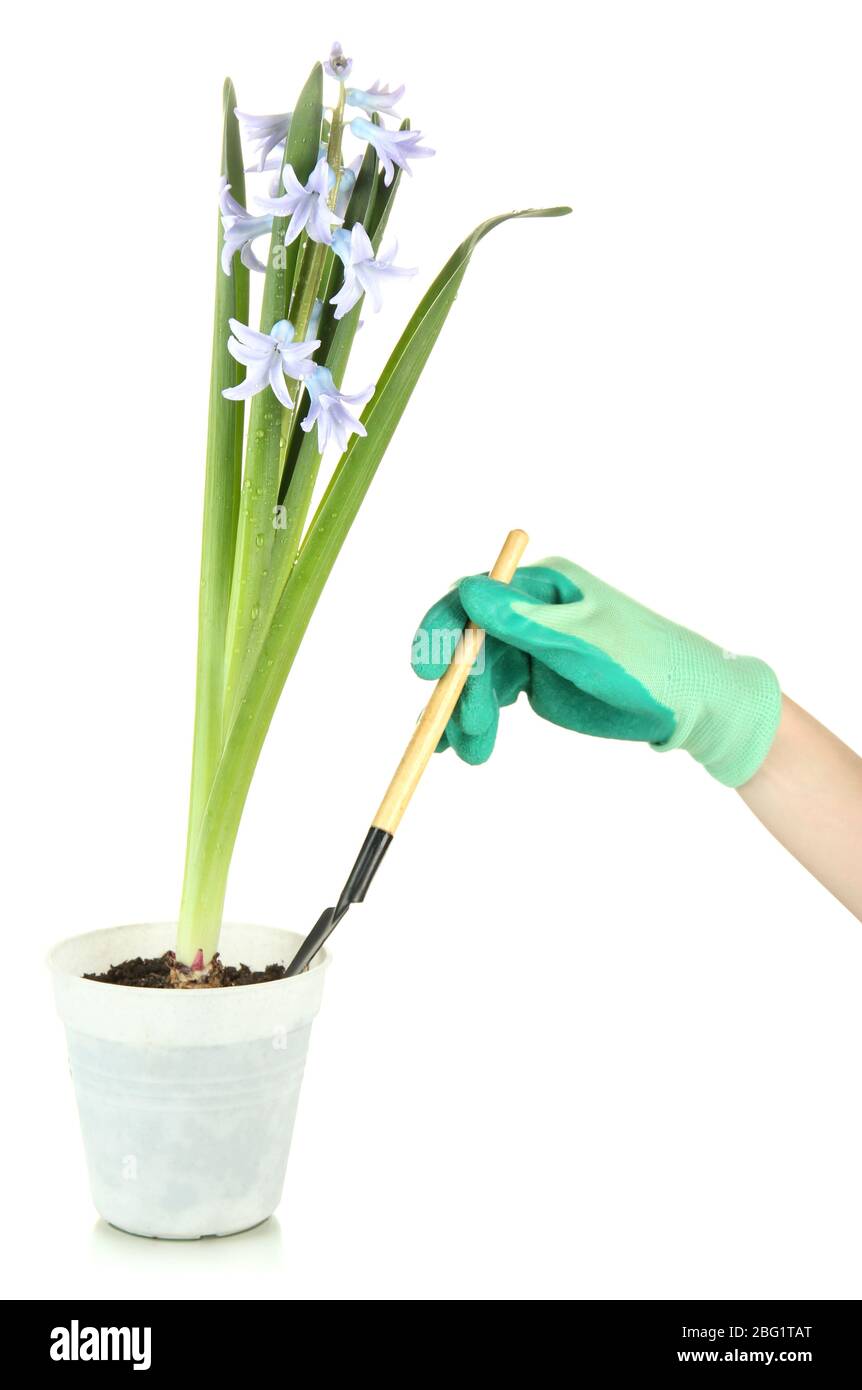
point(162, 972)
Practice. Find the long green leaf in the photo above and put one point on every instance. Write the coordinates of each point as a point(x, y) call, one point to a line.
point(221, 489)
point(360, 461)
point(267, 424)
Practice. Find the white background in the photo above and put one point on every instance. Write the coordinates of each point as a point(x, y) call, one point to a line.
point(593, 1034)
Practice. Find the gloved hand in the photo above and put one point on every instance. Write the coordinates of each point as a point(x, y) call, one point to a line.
point(593, 660)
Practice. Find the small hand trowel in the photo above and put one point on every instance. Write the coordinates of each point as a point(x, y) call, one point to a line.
point(416, 757)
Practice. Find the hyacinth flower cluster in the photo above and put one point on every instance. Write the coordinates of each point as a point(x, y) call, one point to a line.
point(309, 247)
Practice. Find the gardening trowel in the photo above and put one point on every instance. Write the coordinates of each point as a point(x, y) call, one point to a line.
point(426, 736)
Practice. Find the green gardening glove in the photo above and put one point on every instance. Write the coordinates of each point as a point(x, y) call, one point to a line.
point(593, 660)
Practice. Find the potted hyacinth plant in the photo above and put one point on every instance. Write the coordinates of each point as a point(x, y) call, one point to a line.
point(187, 1086)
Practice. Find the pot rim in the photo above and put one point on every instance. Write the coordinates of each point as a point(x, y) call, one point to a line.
point(320, 962)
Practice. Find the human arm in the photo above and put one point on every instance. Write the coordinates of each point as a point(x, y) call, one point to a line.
point(808, 794)
point(593, 660)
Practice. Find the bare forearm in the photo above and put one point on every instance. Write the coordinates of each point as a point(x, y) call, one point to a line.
point(808, 794)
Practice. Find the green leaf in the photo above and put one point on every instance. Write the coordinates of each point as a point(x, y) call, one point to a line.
point(301, 152)
point(359, 463)
point(221, 488)
point(268, 425)
point(362, 197)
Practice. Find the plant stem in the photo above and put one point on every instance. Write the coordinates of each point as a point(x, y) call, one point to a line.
point(221, 495)
point(310, 279)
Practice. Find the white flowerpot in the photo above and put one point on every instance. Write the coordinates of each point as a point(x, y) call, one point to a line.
point(187, 1098)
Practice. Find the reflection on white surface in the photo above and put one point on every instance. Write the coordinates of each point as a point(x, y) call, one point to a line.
point(254, 1253)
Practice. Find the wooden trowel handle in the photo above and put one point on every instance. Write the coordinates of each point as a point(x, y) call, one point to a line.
point(439, 708)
